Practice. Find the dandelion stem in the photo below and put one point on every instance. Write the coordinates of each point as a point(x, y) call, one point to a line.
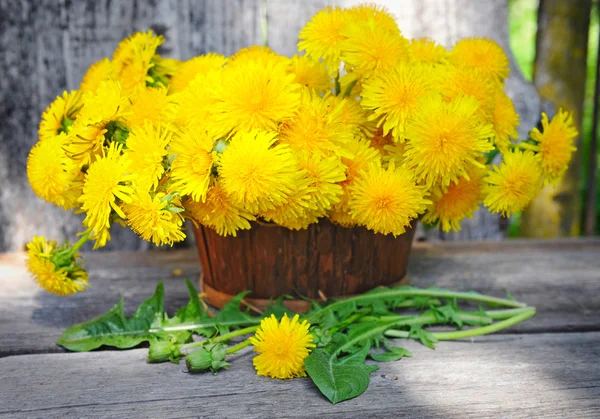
point(81, 241)
point(236, 333)
point(238, 347)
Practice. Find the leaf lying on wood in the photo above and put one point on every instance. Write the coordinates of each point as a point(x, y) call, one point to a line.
point(345, 332)
point(114, 329)
point(150, 322)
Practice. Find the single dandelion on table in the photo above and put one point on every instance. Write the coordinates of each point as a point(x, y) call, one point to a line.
point(282, 347)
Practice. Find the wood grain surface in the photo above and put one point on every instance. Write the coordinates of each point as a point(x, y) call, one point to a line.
point(560, 278)
point(515, 376)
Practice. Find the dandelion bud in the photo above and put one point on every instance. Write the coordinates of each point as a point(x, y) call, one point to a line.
point(162, 351)
point(209, 358)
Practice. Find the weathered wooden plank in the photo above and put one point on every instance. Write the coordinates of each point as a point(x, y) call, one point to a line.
point(560, 278)
point(545, 375)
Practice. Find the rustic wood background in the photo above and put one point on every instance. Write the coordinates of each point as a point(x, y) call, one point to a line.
point(48, 44)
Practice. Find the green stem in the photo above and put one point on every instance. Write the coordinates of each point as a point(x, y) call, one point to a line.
point(236, 333)
point(338, 87)
point(347, 321)
point(416, 292)
point(204, 325)
point(487, 315)
point(222, 338)
point(477, 331)
point(238, 347)
point(82, 240)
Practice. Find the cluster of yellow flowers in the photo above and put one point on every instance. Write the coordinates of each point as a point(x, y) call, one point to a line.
point(366, 128)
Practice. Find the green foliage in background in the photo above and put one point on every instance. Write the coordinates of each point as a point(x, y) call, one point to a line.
point(523, 29)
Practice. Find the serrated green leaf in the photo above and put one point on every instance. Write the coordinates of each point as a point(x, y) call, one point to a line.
point(277, 308)
point(114, 329)
point(337, 382)
point(231, 315)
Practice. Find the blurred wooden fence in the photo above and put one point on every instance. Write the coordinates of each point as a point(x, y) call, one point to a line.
point(48, 44)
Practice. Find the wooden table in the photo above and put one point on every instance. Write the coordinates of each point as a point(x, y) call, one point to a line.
point(548, 366)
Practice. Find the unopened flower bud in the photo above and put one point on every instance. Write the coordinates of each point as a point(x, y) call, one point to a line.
point(162, 351)
point(199, 361)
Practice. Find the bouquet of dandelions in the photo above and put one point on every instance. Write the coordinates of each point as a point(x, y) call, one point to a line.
point(367, 128)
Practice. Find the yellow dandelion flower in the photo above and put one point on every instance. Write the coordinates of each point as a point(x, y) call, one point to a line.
point(219, 212)
point(52, 175)
point(59, 116)
point(379, 15)
point(340, 212)
point(162, 70)
point(445, 139)
point(132, 59)
point(107, 103)
point(310, 73)
point(195, 103)
point(189, 69)
point(55, 268)
point(193, 162)
point(106, 186)
point(257, 174)
point(457, 201)
point(97, 73)
point(428, 52)
point(393, 97)
point(150, 104)
point(255, 96)
point(369, 49)
point(386, 201)
point(352, 115)
point(324, 174)
point(282, 347)
point(317, 126)
point(322, 37)
point(260, 54)
point(505, 119)
point(298, 211)
point(146, 149)
point(85, 143)
point(514, 183)
point(457, 82)
point(555, 145)
point(360, 156)
point(482, 54)
point(155, 218)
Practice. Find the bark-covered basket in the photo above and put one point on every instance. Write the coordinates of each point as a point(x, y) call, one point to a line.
point(325, 260)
